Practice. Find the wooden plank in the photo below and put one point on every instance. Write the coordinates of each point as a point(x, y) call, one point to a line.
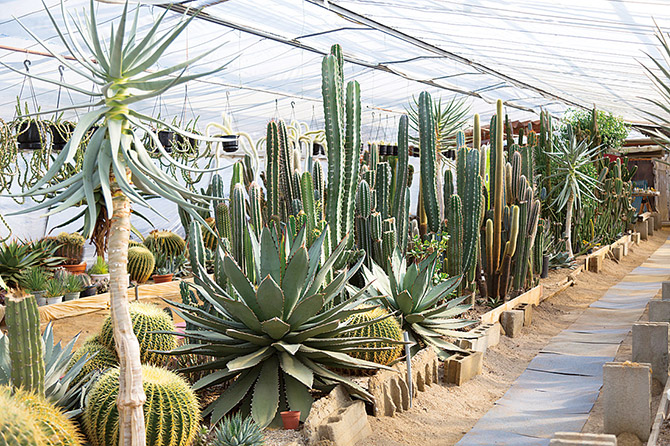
point(532, 296)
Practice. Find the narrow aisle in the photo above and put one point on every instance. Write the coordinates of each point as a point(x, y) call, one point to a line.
point(557, 390)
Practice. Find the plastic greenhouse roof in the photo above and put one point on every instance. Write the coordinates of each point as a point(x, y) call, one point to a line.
point(533, 54)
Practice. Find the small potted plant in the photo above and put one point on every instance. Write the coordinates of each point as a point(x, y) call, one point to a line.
point(54, 291)
point(73, 287)
point(72, 249)
point(90, 288)
point(167, 267)
point(99, 271)
point(35, 280)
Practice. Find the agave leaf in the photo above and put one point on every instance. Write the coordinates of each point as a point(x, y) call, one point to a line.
point(241, 284)
point(305, 310)
point(275, 328)
point(232, 395)
point(270, 299)
point(297, 393)
point(294, 279)
point(259, 339)
point(250, 360)
point(266, 393)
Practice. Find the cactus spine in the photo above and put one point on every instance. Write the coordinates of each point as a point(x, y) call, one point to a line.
point(25, 343)
point(428, 161)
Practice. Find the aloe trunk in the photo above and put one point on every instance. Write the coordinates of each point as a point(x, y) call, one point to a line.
point(131, 393)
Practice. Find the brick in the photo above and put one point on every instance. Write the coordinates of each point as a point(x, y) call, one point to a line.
point(462, 367)
point(348, 426)
point(659, 310)
point(595, 264)
point(527, 313)
point(658, 224)
point(650, 345)
point(626, 394)
point(511, 322)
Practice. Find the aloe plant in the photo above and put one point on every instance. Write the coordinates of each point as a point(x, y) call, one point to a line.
point(117, 167)
point(281, 335)
point(659, 73)
point(427, 313)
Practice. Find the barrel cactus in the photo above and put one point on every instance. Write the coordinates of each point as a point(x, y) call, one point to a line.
point(147, 320)
point(71, 247)
point(208, 237)
point(58, 430)
point(165, 242)
point(171, 410)
point(141, 263)
point(386, 326)
point(17, 426)
point(102, 358)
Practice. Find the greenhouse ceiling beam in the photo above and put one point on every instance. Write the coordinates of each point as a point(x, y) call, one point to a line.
point(363, 20)
point(202, 15)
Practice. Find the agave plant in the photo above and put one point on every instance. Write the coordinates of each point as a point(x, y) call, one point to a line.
point(58, 380)
point(280, 336)
point(238, 431)
point(17, 257)
point(571, 159)
point(662, 83)
point(116, 166)
point(427, 312)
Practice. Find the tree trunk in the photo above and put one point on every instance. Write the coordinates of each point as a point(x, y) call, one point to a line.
point(131, 394)
point(568, 225)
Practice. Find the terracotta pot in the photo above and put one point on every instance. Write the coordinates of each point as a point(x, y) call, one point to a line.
point(162, 278)
point(76, 269)
point(291, 419)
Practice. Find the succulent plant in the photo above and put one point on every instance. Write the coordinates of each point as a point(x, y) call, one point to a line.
point(237, 431)
point(208, 236)
point(17, 425)
point(383, 326)
point(278, 335)
point(171, 409)
point(152, 326)
point(427, 312)
point(141, 263)
point(71, 247)
point(99, 267)
point(34, 278)
point(17, 257)
point(165, 242)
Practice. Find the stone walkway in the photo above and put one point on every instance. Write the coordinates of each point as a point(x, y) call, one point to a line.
point(557, 390)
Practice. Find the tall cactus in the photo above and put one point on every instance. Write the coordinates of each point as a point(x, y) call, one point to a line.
point(455, 229)
point(428, 155)
point(255, 208)
point(343, 121)
point(25, 343)
point(401, 170)
point(383, 189)
point(309, 206)
point(272, 170)
point(319, 188)
point(239, 224)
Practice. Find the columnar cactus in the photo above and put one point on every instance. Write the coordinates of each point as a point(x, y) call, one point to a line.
point(272, 170)
point(455, 229)
point(401, 178)
point(222, 221)
point(428, 155)
point(25, 343)
point(141, 263)
point(255, 208)
point(239, 224)
point(383, 189)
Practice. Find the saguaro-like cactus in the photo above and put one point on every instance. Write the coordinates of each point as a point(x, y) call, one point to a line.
point(428, 155)
point(25, 342)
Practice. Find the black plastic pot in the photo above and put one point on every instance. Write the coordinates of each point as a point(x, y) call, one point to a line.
point(166, 138)
point(60, 135)
point(181, 141)
point(451, 154)
point(545, 267)
point(383, 151)
point(29, 136)
point(317, 149)
point(394, 150)
point(89, 291)
point(230, 143)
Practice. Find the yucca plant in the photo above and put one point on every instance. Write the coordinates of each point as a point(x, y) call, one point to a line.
point(280, 336)
point(116, 166)
point(661, 116)
point(427, 313)
point(570, 159)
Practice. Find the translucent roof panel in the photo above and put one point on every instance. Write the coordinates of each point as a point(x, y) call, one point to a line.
point(532, 54)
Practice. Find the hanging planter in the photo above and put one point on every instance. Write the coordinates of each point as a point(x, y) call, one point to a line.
point(60, 133)
point(383, 151)
point(166, 138)
point(184, 144)
point(318, 149)
point(28, 135)
point(230, 143)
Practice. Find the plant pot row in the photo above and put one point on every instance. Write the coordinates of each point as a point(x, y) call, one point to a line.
point(29, 137)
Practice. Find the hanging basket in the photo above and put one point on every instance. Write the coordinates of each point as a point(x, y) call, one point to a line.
point(28, 136)
point(318, 149)
point(383, 150)
point(166, 139)
point(230, 143)
point(60, 134)
point(394, 150)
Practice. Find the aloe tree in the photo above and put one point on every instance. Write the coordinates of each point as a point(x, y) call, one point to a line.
point(117, 168)
point(570, 159)
point(659, 73)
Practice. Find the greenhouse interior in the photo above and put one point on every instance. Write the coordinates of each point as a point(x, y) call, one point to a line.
point(334, 223)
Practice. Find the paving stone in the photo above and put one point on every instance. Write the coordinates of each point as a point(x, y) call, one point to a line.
point(665, 291)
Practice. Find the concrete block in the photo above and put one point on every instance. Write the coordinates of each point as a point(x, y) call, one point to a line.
point(626, 394)
point(665, 291)
point(348, 426)
point(580, 439)
point(650, 226)
point(462, 367)
point(626, 248)
point(650, 345)
point(659, 310)
point(595, 264)
point(489, 335)
point(658, 224)
point(511, 322)
point(617, 252)
point(478, 344)
point(322, 409)
point(635, 238)
point(527, 313)
point(642, 228)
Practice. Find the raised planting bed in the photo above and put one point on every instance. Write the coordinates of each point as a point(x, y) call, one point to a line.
point(532, 296)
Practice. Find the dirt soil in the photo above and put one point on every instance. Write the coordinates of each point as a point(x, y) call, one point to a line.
point(443, 414)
